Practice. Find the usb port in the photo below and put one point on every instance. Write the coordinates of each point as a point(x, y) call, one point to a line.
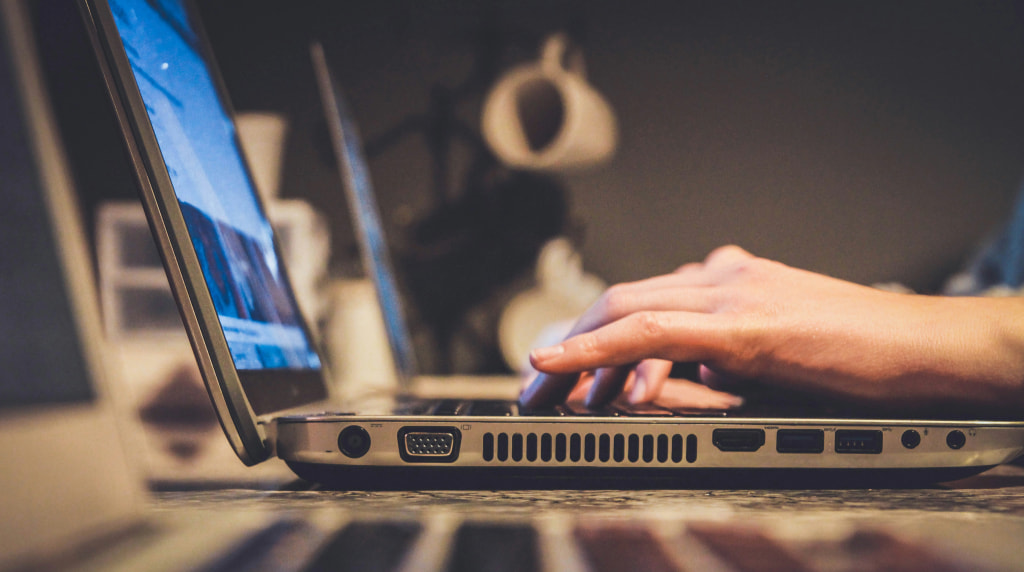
point(859, 441)
point(428, 444)
point(800, 441)
point(737, 439)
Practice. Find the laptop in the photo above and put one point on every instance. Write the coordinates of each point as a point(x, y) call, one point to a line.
point(70, 496)
point(376, 257)
point(267, 380)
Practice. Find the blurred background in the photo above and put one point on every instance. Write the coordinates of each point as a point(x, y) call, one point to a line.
point(873, 141)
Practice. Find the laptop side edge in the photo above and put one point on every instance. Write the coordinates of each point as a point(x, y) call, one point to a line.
point(168, 228)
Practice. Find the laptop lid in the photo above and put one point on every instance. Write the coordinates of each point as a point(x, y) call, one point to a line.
point(255, 352)
point(64, 472)
point(362, 202)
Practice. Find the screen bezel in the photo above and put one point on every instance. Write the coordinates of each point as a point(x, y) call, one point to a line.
point(241, 398)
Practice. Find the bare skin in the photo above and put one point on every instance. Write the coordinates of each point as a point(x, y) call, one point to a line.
point(746, 318)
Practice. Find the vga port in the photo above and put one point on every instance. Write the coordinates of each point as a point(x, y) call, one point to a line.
point(429, 444)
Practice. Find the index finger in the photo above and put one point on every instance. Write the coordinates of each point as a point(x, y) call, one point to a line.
point(548, 389)
point(674, 336)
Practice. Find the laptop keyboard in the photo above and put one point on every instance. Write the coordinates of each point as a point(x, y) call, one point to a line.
point(510, 408)
point(757, 406)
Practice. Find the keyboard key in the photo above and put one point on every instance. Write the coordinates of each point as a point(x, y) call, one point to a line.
point(542, 412)
point(416, 407)
point(683, 412)
point(577, 408)
point(495, 548)
point(491, 408)
point(639, 409)
point(451, 407)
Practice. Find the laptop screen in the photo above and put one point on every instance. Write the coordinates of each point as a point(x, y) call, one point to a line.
point(231, 233)
point(41, 360)
point(366, 216)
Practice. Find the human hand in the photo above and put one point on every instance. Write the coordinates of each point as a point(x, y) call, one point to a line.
point(752, 320)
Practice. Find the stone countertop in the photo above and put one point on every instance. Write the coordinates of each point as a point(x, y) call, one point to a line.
point(980, 518)
point(999, 491)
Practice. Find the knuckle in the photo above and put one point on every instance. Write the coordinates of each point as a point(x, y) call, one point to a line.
point(588, 344)
point(729, 249)
point(745, 267)
point(728, 252)
point(651, 325)
point(751, 268)
point(616, 301)
point(688, 267)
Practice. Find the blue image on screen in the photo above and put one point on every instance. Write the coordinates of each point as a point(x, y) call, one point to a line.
point(231, 235)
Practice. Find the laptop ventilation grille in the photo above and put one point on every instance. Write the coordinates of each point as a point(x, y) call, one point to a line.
point(589, 447)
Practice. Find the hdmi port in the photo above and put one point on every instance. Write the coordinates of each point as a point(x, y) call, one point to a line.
point(429, 444)
point(737, 439)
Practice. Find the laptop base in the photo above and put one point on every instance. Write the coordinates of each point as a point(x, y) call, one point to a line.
point(588, 478)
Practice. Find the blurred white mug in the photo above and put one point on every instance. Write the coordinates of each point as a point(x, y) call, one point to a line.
point(546, 116)
point(263, 135)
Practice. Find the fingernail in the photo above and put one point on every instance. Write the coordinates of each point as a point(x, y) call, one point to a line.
point(544, 354)
point(734, 401)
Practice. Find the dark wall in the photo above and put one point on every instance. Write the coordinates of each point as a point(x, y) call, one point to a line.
point(869, 140)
